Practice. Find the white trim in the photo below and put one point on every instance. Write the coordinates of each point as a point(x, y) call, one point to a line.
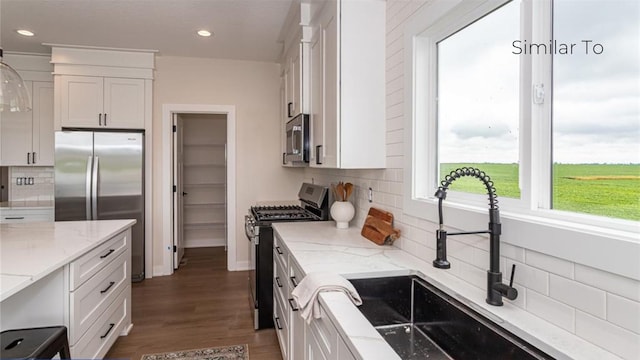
point(167, 111)
point(243, 266)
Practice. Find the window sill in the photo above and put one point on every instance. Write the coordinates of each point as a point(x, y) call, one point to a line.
point(615, 251)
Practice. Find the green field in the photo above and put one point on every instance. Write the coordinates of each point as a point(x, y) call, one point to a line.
point(599, 189)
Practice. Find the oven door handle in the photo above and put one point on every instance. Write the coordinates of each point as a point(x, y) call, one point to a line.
point(249, 223)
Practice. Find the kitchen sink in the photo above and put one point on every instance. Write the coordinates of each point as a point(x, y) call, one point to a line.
point(421, 322)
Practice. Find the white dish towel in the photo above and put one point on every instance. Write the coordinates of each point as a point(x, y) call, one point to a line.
point(306, 293)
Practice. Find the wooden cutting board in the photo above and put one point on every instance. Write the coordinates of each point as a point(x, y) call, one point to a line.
point(378, 227)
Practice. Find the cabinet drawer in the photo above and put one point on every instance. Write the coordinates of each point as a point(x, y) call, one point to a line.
point(280, 252)
point(282, 329)
point(103, 333)
point(325, 333)
point(89, 264)
point(280, 282)
point(91, 299)
point(10, 216)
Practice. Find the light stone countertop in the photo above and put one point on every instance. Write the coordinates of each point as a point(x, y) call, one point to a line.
point(26, 205)
point(31, 251)
point(320, 247)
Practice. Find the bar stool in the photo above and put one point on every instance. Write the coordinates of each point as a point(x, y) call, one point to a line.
point(35, 343)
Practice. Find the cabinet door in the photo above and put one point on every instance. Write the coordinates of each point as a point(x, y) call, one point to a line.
point(315, 98)
point(325, 80)
point(81, 101)
point(43, 134)
point(313, 350)
point(15, 136)
point(124, 103)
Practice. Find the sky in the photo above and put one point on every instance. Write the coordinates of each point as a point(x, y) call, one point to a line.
point(596, 99)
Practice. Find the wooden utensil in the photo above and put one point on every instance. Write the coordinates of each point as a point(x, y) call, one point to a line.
point(340, 192)
point(348, 188)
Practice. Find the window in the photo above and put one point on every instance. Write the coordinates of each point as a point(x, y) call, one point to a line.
point(542, 95)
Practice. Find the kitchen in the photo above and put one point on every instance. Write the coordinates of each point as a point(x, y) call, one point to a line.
point(253, 88)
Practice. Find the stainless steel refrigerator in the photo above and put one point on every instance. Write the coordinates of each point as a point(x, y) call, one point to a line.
point(100, 176)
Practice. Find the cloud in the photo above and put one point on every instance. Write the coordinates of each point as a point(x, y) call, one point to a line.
point(483, 130)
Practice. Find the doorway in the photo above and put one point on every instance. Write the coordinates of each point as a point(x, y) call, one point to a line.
point(199, 168)
point(217, 190)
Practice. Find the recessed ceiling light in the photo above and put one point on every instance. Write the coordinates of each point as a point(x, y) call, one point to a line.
point(25, 32)
point(204, 33)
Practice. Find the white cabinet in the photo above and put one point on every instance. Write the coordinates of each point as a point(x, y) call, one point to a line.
point(91, 295)
point(347, 84)
point(10, 216)
point(101, 102)
point(26, 138)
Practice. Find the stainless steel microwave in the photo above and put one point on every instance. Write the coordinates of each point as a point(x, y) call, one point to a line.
point(297, 135)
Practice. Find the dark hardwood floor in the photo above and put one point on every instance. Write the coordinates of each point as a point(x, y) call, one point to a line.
point(201, 305)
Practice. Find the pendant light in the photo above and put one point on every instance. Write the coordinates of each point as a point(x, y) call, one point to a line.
point(13, 92)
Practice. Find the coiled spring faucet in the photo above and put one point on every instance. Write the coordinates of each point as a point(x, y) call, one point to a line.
point(495, 288)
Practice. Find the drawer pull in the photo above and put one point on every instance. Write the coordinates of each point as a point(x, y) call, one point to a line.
point(14, 217)
point(278, 250)
point(108, 287)
point(108, 331)
point(293, 307)
point(278, 323)
point(278, 281)
point(107, 254)
point(294, 281)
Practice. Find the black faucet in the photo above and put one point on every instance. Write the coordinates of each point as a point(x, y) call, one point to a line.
point(495, 288)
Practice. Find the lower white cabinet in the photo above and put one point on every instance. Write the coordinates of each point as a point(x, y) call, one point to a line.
point(90, 295)
point(9, 215)
point(298, 340)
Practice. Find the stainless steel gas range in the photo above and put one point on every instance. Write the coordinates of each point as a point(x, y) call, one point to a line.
point(314, 207)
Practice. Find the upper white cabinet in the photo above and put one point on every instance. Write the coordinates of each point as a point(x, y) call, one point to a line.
point(26, 138)
point(89, 102)
point(102, 88)
point(347, 84)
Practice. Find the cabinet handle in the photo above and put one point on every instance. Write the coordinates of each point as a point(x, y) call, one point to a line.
point(318, 152)
point(108, 331)
point(289, 109)
point(28, 159)
point(100, 119)
point(108, 287)
point(294, 281)
point(278, 323)
point(105, 119)
point(278, 281)
point(33, 157)
point(107, 254)
point(284, 162)
point(14, 218)
point(279, 250)
point(293, 307)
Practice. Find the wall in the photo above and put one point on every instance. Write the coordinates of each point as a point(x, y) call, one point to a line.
point(254, 88)
point(599, 306)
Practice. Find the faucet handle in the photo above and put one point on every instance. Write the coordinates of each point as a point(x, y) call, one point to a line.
point(513, 271)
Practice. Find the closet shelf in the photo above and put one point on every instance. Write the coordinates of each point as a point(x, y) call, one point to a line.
point(213, 225)
point(205, 145)
point(212, 205)
point(209, 185)
point(221, 166)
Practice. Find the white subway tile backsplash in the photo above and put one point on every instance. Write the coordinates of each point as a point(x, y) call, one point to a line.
point(469, 273)
point(615, 339)
point(612, 283)
point(580, 296)
point(551, 310)
point(549, 263)
point(623, 312)
point(512, 252)
point(529, 277)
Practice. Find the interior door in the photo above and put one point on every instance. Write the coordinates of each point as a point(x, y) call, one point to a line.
point(178, 195)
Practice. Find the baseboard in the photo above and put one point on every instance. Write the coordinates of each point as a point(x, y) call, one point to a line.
point(126, 330)
point(242, 266)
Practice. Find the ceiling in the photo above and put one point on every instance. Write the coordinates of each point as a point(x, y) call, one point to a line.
point(242, 29)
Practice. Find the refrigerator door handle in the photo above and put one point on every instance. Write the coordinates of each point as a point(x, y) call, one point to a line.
point(94, 189)
point(88, 187)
